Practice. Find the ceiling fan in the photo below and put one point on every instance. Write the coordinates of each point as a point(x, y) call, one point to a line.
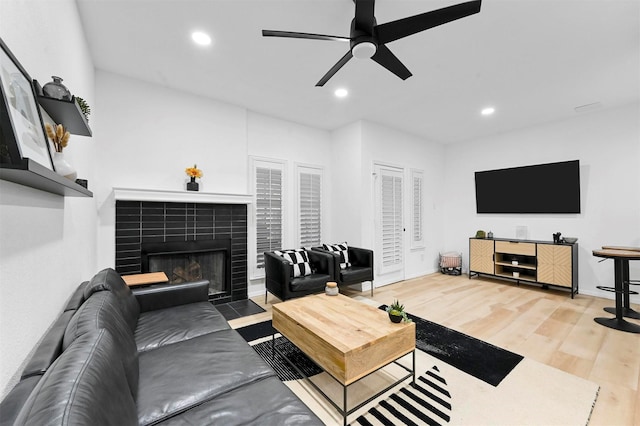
point(368, 39)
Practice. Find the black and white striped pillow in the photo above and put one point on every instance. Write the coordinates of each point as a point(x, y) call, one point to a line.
point(299, 259)
point(343, 250)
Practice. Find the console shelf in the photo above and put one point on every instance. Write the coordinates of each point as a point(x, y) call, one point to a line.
point(534, 262)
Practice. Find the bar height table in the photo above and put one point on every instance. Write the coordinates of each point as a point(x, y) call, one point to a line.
point(627, 312)
point(621, 274)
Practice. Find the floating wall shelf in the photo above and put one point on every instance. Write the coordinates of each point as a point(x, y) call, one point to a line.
point(30, 173)
point(67, 113)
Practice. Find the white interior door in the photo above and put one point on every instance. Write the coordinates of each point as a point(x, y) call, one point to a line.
point(390, 221)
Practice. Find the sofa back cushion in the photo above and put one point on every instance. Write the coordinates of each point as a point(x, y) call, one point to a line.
point(101, 311)
point(85, 386)
point(110, 280)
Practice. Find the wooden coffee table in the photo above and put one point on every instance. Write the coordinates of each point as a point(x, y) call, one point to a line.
point(347, 339)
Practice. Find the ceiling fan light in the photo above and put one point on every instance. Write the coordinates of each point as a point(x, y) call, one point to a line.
point(364, 50)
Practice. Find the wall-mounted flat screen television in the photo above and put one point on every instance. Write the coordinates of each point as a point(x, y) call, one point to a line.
point(541, 188)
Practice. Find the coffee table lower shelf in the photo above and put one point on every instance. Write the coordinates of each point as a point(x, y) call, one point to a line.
point(411, 372)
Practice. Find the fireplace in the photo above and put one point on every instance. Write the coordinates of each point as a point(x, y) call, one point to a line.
point(147, 232)
point(191, 261)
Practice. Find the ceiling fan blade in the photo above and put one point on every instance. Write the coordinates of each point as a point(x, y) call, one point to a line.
point(335, 68)
point(395, 30)
point(388, 60)
point(291, 34)
point(365, 19)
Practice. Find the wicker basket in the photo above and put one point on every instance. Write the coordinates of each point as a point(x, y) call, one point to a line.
point(451, 263)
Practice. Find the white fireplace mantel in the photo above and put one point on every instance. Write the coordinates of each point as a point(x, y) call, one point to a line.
point(162, 195)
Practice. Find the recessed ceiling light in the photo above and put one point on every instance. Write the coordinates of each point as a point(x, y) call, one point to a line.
point(488, 111)
point(341, 93)
point(200, 38)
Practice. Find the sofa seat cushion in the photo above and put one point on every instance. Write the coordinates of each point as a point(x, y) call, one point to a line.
point(165, 326)
point(177, 377)
point(315, 282)
point(86, 385)
point(264, 402)
point(356, 274)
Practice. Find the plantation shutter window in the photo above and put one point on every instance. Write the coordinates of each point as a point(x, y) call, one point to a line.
point(310, 206)
point(268, 211)
point(417, 235)
point(391, 227)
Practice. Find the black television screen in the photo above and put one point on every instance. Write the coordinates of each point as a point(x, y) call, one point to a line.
point(542, 188)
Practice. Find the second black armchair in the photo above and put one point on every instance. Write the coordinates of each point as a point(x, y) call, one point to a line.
point(280, 280)
point(359, 267)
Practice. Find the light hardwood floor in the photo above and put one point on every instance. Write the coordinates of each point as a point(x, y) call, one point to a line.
point(545, 325)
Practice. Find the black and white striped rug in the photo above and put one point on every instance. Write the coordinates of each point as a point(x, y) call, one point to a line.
point(427, 402)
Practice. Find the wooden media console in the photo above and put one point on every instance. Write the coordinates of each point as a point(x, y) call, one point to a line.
point(535, 262)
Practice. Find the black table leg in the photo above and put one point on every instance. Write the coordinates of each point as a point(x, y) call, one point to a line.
point(618, 323)
point(626, 304)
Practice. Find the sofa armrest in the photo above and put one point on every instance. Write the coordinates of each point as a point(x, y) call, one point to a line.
point(162, 296)
point(278, 274)
point(49, 347)
point(277, 267)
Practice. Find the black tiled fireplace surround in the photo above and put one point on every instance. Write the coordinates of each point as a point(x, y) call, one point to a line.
point(139, 222)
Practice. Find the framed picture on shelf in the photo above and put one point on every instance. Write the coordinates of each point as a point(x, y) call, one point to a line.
point(22, 134)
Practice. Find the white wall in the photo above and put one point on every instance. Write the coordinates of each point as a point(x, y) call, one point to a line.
point(607, 143)
point(47, 242)
point(294, 144)
point(356, 148)
point(393, 147)
point(347, 184)
point(147, 135)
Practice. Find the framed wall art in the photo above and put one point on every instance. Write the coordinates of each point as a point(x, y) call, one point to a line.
point(22, 133)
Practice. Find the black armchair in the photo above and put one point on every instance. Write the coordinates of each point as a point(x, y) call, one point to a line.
point(280, 282)
point(361, 268)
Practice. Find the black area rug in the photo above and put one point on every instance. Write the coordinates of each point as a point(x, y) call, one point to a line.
point(475, 357)
point(478, 358)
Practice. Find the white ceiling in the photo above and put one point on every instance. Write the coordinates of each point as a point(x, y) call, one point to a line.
point(533, 60)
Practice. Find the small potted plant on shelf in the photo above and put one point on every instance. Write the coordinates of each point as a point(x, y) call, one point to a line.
point(396, 312)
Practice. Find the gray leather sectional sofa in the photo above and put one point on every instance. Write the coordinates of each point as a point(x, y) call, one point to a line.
point(159, 355)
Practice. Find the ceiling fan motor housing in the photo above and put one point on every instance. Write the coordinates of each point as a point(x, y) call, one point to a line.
point(363, 44)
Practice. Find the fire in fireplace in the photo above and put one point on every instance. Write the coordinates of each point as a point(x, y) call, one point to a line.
point(186, 261)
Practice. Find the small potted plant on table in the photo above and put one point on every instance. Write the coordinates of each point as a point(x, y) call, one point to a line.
point(396, 312)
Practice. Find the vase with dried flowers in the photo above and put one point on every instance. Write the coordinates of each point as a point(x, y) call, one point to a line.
point(193, 173)
point(60, 138)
